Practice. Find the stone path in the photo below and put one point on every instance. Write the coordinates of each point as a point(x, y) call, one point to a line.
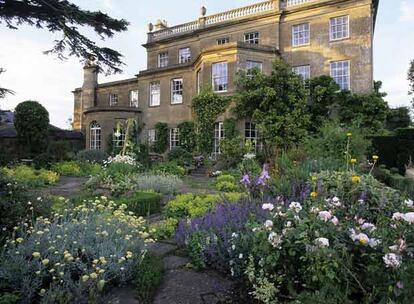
point(67, 186)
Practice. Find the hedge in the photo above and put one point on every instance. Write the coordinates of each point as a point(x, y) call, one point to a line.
point(143, 203)
point(393, 179)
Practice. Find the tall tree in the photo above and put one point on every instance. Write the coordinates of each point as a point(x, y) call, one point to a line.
point(66, 18)
point(411, 81)
point(277, 102)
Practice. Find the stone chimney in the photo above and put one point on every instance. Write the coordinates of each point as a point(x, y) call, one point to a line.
point(90, 84)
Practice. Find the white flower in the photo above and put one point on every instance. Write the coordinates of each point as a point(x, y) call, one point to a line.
point(325, 215)
point(240, 256)
point(269, 224)
point(392, 260)
point(249, 156)
point(268, 206)
point(409, 203)
point(335, 221)
point(368, 226)
point(322, 242)
point(397, 216)
point(296, 207)
point(362, 238)
point(374, 242)
point(275, 239)
point(409, 217)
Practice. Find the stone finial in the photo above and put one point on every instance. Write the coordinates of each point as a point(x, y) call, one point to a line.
point(90, 62)
point(150, 27)
point(160, 25)
point(203, 11)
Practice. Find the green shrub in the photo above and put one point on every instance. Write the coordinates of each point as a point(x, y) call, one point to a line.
point(165, 184)
point(190, 205)
point(9, 298)
point(170, 167)
point(97, 156)
point(68, 168)
point(43, 160)
point(226, 178)
point(180, 156)
point(30, 177)
point(147, 277)
point(165, 229)
point(59, 150)
point(143, 203)
point(161, 145)
point(226, 186)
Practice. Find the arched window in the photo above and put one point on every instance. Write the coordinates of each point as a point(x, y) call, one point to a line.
point(95, 136)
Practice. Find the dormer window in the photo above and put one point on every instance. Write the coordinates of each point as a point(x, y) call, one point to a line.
point(184, 55)
point(162, 60)
point(113, 99)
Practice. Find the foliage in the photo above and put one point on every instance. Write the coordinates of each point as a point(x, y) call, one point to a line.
point(332, 139)
point(72, 256)
point(181, 156)
point(165, 184)
point(187, 136)
point(393, 179)
point(43, 160)
point(190, 205)
point(142, 203)
point(277, 102)
point(31, 121)
point(59, 150)
point(66, 18)
point(207, 107)
point(226, 183)
point(30, 177)
point(97, 156)
point(398, 118)
point(165, 229)
point(322, 95)
point(170, 167)
point(161, 144)
point(367, 110)
point(141, 153)
point(16, 205)
point(4, 91)
point(411, 80)
point(72, 168)
point(147, 277)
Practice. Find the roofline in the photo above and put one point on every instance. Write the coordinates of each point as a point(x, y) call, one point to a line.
point(111, 83)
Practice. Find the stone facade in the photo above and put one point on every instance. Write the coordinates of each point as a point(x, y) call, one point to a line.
point(333, 37)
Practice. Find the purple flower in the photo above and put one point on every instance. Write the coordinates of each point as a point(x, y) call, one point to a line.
point(245, 180)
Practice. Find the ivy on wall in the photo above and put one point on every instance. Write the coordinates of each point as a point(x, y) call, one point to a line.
point(187, 136)
point(207, 106)
point(161, 145)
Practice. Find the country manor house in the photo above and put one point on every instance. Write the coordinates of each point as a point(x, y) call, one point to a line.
point(316, 37)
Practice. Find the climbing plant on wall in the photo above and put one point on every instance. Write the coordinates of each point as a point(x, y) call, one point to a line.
point(187, 136)
point(161, 145)
point(207, 106)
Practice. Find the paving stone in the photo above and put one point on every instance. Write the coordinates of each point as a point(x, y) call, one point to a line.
point(183, 286)
point(123, 295)
point(175, 262)
point(161, 249)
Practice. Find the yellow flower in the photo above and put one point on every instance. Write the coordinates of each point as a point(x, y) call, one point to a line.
point(349, 134)
point(363, 241)
point(37, 272)
point(375, 157)
point(36, 254)
point(353, 161)
point(314, 194)
point(19, 240)
point(42, 291)
point(101, 284)
point(45, 262)
point(85, 278)
point(356, 179)
point(93, 275)
point(314, 178)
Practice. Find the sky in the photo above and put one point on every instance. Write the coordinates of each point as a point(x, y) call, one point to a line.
point(47, 79)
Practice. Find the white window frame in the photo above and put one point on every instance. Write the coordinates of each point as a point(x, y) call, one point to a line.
point(198, 80)
point(155, 95)
point(251, 133)
point(163, 59)
point(152, 136)
point(223, 40)
point(113, 99)
point(339, 31)
point(184, 55)
point(174, 138)
point(220, 72)
point(303, 70)
point(95, 133)
point(251, 64)
point(219, 135)
point(119, 141)
point(252, 38)
point(133, 98)
point(343, 79)
point(301, 34)
point(177, 90)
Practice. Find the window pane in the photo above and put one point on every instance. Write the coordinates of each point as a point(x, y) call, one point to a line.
point(184, 55)
point(303, 71)
point(252, 38)
point(340, 72)
point(162, 60)
point(250, 65)
point(301, 34)
point(155, 94)
point(339, 28)
point(95, 136)
point(133, 98)
point(219, 77)
point(174, 138)
point(113, 99)
point(218, 136)
point(176, 91)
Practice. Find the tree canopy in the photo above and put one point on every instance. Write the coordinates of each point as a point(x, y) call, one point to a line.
point(67, 18)
point(411, 81)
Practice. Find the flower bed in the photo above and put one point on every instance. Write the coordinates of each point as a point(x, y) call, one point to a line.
point(31, 177)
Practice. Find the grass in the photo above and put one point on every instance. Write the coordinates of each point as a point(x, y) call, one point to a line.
point(148, 277)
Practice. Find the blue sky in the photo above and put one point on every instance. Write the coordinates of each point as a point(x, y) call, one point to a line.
point(50, 81)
